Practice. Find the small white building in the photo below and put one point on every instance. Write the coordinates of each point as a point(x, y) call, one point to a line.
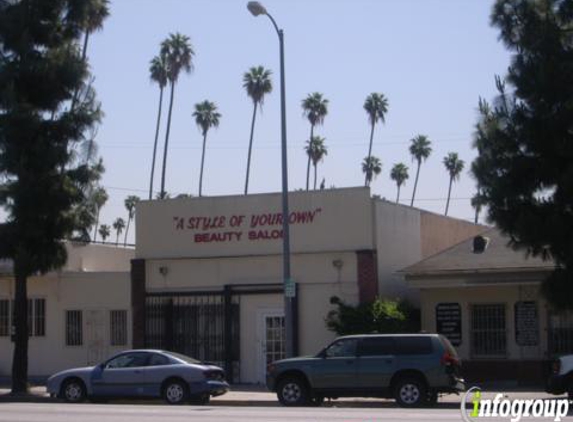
point(78, 315)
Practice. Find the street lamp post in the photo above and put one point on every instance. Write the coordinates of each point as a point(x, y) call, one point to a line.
point(258, 9)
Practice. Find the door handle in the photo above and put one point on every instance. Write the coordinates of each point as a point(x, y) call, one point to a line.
point(350, 361)
point(388, 360)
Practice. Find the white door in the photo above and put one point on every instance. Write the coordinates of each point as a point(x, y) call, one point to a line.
point(271, 334)
point(95, 338)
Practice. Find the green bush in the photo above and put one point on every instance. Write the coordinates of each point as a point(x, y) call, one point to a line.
point(377, 317)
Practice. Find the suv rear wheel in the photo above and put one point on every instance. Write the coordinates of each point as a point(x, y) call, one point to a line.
point(410, 392)
point(292, 391)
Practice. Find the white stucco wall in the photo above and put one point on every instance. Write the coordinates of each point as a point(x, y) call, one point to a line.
point(72, 291)
point(467, 296)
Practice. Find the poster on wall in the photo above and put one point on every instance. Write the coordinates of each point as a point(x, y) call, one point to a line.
point(449, 321)
point(526, 323)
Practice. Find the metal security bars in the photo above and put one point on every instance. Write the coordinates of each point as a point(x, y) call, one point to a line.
point(118, 327)
point(204, 326)
point(560, 333)
point(36, 316)
point(4, 317)
point(488, 330)
point(74, 328)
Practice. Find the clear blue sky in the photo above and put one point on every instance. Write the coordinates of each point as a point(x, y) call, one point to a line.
point(432, 59)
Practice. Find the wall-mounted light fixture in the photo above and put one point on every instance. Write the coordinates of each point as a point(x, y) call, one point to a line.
point(337, 263)
point(163, 271)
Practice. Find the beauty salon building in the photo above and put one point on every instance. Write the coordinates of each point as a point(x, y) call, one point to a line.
point(207, 275)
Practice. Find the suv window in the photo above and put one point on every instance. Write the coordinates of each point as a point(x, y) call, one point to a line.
point(342, 348)
point(413, 345)
point(377, 346)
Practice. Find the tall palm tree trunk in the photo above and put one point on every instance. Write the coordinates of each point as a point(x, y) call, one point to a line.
point(126, 230)
point(415, 184)
point(155, 143)
point(315, 166)
point(398, 195)
point(96, 224)
point(85, 47)
point(449, 193)
point(165, 147)
point(308, 163)
point(20, 357)
point(369, 152)
point(250, 146)
point(202, 162)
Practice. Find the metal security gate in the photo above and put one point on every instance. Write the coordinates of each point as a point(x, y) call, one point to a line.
point(203, 325)
point(560, 332)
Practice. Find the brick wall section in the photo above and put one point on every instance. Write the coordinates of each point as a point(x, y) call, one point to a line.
point(367, 275)
point(138, 302)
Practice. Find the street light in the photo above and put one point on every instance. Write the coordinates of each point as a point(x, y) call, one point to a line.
point(257, 9)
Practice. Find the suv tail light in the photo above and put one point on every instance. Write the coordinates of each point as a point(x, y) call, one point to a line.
point(449, 360)
point(556, 366)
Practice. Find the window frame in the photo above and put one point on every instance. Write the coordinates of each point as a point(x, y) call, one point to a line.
point(504, 331)
point(67, 335)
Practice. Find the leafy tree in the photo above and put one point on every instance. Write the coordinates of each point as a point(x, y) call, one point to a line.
point(104, 232)
point(118, 225)
point(524, 166)
point(100, 197)
point(376, 106)
point(178, 54)
point(399, 174)
point(420, 150)
point(130, 203)
point(377, 317)
point(158, 74)
point(40, 181)
point(206, 117)
point(98, 11)
point(257, 82)
point(315, 109)
point(316, 150)
point(454, 165)
point(371, 166)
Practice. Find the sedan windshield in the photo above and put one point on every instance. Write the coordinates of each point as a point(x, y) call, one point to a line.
point(184, 358)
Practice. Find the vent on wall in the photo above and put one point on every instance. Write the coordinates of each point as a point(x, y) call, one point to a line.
point(480, 244)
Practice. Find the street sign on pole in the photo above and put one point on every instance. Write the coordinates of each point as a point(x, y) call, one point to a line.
point(290, 289)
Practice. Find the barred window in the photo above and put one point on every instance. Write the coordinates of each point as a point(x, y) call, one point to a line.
point(560, 332)
point(74, 328)
point(118, 328)
point(488, 330)
point(36, 316)
point(4, 317)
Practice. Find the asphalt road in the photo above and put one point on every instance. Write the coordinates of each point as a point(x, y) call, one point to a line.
point(61, 412)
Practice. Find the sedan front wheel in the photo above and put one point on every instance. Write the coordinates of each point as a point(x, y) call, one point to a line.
point(73, 391)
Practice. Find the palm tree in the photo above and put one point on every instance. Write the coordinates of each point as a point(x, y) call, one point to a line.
point(104, 232)
point(399, 174)
point(376, 105)
point(257, 82)
point(158, 74)
point(371, 166)
point(454, 166)
point(130, 203)
point(97, 11)
point(99, 198)
point(420, 150)
point(316, 150)
point(206, 117)
point(477, 203)
point(315, 109)
point(118, 225)
point(178, 54)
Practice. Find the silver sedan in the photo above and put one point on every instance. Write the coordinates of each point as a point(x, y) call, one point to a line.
point(141, 373)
